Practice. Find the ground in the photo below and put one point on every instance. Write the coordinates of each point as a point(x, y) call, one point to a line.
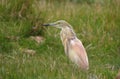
point(97, 25)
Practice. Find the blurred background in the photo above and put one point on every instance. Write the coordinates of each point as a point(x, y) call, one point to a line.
point(30, 51)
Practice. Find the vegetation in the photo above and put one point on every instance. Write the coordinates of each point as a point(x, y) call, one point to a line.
point(97, 24)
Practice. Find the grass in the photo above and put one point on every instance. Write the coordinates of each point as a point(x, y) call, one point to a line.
point(96, 24)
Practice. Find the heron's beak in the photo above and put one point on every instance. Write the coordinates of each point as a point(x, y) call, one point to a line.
point(49, 24)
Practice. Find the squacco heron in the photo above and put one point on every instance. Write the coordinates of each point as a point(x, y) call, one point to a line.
point(73, 47)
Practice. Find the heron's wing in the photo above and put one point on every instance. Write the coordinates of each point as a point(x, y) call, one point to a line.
point(77, 47)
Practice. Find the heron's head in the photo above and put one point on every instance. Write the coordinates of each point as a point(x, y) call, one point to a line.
point(58, 24)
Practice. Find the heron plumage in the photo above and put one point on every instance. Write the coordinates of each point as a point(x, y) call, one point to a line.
point(73, 47)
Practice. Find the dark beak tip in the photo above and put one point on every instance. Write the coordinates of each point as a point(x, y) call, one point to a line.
point(46, 24)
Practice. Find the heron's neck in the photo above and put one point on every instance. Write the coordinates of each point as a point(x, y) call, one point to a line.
point(67, 34)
